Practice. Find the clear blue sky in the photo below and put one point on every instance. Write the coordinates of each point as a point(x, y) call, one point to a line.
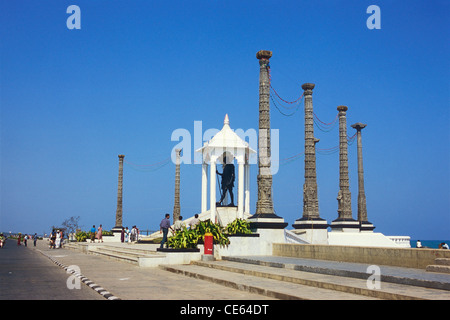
point(72, 100)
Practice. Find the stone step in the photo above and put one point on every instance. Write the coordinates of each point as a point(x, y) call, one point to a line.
point(71, 245)
point(78, 246)
point(259, 285)
point(359, 271)
point(442, 261)
point(116, 256)
point(438, 268)
point(136, 256)
point(128, 251)
point(341, 284)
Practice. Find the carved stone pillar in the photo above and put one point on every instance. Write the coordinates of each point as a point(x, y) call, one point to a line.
point(310, 219)
point(118, 226)
point(176, 205)
point(344, 222)
point(366, 226)
point(264, 204)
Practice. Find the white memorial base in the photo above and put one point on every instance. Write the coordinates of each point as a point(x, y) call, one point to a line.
point(312, 236)
point(360, 239)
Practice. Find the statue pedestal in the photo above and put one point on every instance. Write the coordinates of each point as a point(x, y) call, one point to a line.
point(366, 226)
point(266, 221)
point(224, 215)
point(345, 225)
point(270, 228)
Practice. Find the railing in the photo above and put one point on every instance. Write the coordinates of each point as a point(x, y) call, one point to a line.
point(291, 237)
point(401, 241)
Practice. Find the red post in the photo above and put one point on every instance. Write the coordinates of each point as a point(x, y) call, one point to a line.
point(209, 244)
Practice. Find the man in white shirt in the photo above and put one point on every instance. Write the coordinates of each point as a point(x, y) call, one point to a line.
point(194, 222)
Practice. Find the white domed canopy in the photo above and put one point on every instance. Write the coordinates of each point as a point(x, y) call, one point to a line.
point(226, 143)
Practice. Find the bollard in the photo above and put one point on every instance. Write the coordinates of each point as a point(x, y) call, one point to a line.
point(208, 253)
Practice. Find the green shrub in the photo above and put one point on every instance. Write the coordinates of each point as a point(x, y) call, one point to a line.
point(107, 233)
point(238, 226)
point(81, 236)
point(184, 239)
point(189, 238)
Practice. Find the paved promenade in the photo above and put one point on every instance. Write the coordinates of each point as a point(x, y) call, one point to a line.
point(130, 282)
point(111, 279)
point(25, 274)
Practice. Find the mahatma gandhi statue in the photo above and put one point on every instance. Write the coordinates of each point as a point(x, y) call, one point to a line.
point(228, 177)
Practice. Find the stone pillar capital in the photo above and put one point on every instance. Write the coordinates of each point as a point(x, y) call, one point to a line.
point(308, 88)
point(342, 108)
point(358, 126)
point(263, 54)
point(121, 156)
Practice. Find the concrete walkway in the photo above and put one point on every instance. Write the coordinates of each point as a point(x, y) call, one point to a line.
point(126, 281)
point(246, 278)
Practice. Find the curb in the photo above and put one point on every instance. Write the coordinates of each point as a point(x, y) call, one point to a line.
point(106, 294)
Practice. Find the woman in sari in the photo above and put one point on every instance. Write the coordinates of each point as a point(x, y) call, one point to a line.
point(100, 233)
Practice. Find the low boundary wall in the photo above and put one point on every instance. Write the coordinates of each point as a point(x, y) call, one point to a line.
point(399, 257)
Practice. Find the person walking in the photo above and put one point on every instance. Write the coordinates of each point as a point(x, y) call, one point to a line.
point(35, 239)
point(61, 239)
point(58, 239)
point(179, 224)
point(164, 227)
point(100, 234)
point(93, 234)
point(132, 233)
point(52, 239)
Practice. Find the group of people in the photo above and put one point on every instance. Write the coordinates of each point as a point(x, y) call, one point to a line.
point(20, 238)
point(442, 245)
point(56, 239)
point(129, 236)
point(96, 234)
point(25, 239)
point(179, 225)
